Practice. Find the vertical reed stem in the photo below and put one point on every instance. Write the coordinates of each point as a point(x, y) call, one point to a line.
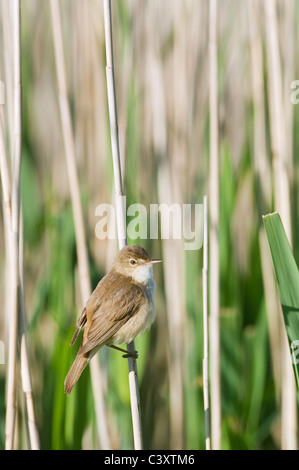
point(282, 205)
point(9, 241)
point(214, 229)
point(206, 391)
point(33, 435)
point(83, 266)
point(264, 186)
point(121, 223)
point(14, 234)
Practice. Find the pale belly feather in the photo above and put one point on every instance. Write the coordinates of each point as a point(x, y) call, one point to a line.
point(140, 322)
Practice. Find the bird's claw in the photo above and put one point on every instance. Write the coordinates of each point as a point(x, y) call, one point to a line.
point(133, 354)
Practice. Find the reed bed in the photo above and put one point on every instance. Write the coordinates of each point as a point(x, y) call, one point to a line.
point(204, 107)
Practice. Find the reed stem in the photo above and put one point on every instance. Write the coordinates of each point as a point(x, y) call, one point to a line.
point(32, 430)
point(120, 212)
point(282, 205)
point(206, 391)
point(83, 265)
point(11, 407)
point(214, 233)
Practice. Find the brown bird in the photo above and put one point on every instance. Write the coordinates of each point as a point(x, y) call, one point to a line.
point(119, 309)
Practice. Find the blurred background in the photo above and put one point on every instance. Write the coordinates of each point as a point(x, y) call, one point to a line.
point(161, 58)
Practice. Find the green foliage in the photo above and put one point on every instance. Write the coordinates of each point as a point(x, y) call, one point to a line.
point(287, 276)
point(248, 397)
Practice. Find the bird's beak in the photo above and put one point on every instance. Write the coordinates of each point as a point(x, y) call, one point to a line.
point(155, 261)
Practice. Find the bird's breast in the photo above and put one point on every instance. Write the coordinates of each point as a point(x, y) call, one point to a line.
point(139, 322)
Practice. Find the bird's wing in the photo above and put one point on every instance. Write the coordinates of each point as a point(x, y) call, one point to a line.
point(92, 304)
point(117, 306)
point(80, 324)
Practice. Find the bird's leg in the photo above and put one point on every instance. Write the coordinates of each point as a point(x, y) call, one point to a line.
point(128, 354)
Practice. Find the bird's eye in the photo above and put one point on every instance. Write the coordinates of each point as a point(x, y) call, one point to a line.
point(133, 261)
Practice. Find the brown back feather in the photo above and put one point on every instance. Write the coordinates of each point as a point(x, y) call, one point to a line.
point(119, 300)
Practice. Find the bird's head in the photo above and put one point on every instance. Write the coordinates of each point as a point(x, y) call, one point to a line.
point(134, 261)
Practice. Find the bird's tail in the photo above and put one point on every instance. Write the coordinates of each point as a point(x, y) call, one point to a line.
point(75, 371)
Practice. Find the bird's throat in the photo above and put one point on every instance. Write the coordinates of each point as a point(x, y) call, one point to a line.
point(143, 274)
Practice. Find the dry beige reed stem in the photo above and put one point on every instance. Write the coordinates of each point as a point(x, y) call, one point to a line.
point(120, 212)
point(261, 160)
point(83, 267)
point(264, 187)
point(289, 47)
point(214, 229)
point(6, 163)
point(277, 122)
point(171, 248)
point(6, 201)
point(273, 312)
point(32, 430)
point(206, 391)
point(6, 191)
point(5, 178)
point(11, 406)
point(282, 205)
point(8, 69)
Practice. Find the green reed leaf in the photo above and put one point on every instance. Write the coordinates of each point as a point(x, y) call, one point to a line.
point(287, 276)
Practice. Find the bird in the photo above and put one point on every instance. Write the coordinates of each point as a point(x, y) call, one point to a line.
point(120, 308)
